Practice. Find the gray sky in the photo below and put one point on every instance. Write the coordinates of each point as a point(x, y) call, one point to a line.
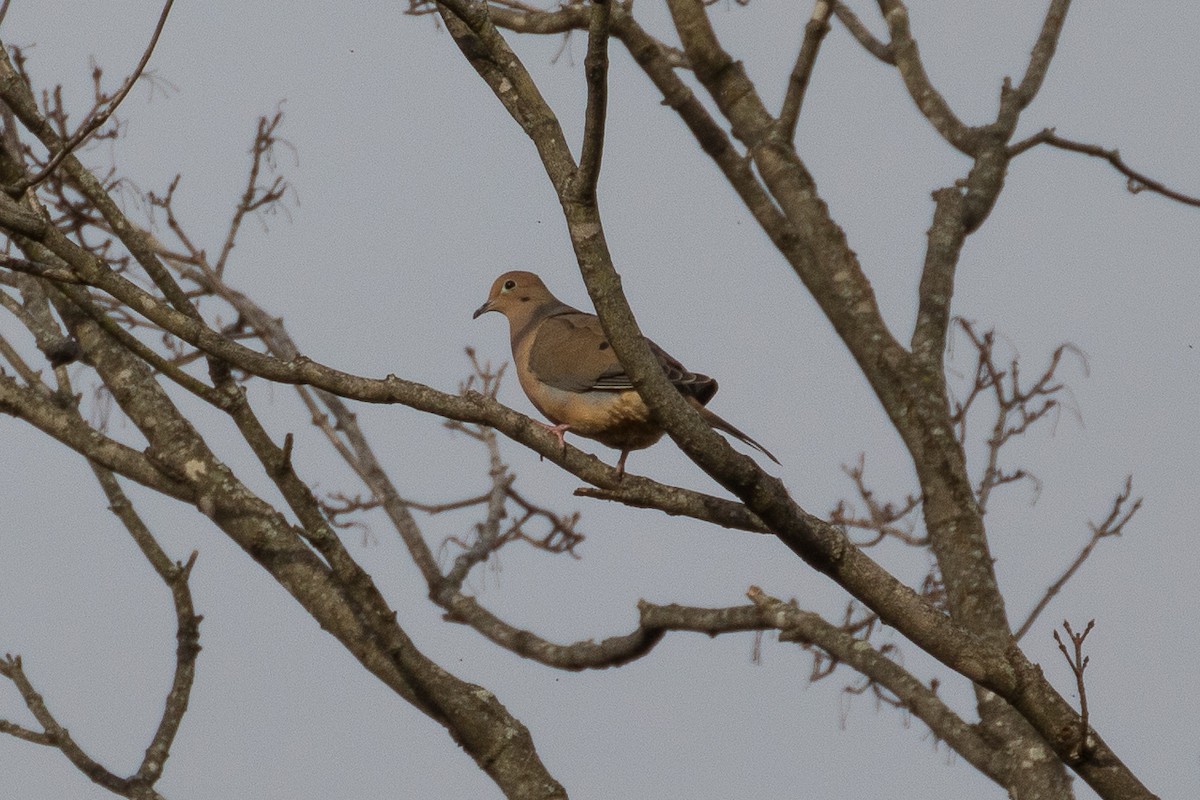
point(413, 190)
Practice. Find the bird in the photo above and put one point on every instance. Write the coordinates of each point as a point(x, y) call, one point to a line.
point(570, 373)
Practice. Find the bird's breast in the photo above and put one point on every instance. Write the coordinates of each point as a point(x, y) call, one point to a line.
point(617, 419)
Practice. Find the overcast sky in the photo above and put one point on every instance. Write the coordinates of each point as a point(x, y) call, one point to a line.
point(413, 190)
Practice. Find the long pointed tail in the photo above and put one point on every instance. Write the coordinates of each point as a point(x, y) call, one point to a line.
point(722, 425)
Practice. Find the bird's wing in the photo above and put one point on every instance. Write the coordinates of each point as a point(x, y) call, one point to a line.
point(571, 352)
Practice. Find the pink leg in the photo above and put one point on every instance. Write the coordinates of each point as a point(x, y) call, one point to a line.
point(621, 463)
point(558, 431)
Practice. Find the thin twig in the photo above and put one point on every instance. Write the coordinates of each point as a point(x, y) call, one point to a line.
point(254, 198)
point(879, 518)
point(54, 733)
point(1113, 525)
point(100, 117)
point(1136, 181)
point(1078, 663)
point(1017, 408)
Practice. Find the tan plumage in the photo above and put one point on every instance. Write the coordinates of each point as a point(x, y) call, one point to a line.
point(570, 373)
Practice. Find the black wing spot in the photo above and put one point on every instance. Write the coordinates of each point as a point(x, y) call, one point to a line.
point(604, 345)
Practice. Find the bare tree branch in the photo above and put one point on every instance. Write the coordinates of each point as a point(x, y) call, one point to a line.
point(139, 786)
point(931, 103)
point(862, 35)
point(254, 197)
point(57, 736)
point(956, 615)
point(1137, 181)
point(1078, 663)
point(810, 629)
point(881, 518)
point(1122, 512)
point(175, 575)
point(595, 68)
point(1013, 101)
point(822, 544)
point(1017, 408)
point(962, 208)
point(814, 34)
point(99, 116)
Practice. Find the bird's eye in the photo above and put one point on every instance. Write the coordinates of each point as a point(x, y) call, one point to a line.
point(509, 285)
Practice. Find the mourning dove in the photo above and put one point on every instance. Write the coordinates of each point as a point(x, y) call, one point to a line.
point(569, 371)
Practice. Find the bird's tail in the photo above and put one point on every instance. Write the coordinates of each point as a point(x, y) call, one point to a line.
point(721, 425)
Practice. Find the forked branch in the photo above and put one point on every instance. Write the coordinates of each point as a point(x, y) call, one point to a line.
point(1018, 407)
point(1078, 663)
point(140, 785)
point(1113, 525)
point(809, 629)
point(883, 519)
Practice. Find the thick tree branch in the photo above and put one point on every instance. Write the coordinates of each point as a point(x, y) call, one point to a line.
point(31, 406)
point(819, 254)
point(712, 138)
point(936, 291)
point(595, 68)
point(485, 49)
point(826, 555)
point(822, 545)
point(862, 35)
point(958, 213)
point(342, 600)
point(930, 102)
point(1014, 101)
point(919, 414)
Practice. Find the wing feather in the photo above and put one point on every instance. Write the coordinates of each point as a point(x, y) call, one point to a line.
point(571, 352)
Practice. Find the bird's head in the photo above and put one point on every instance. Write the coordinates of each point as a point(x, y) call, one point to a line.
point(515, 293)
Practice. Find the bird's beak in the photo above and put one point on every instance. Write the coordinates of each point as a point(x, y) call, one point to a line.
point(483, 309)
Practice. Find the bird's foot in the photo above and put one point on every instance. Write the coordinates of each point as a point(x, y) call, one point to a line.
point(558, 431)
